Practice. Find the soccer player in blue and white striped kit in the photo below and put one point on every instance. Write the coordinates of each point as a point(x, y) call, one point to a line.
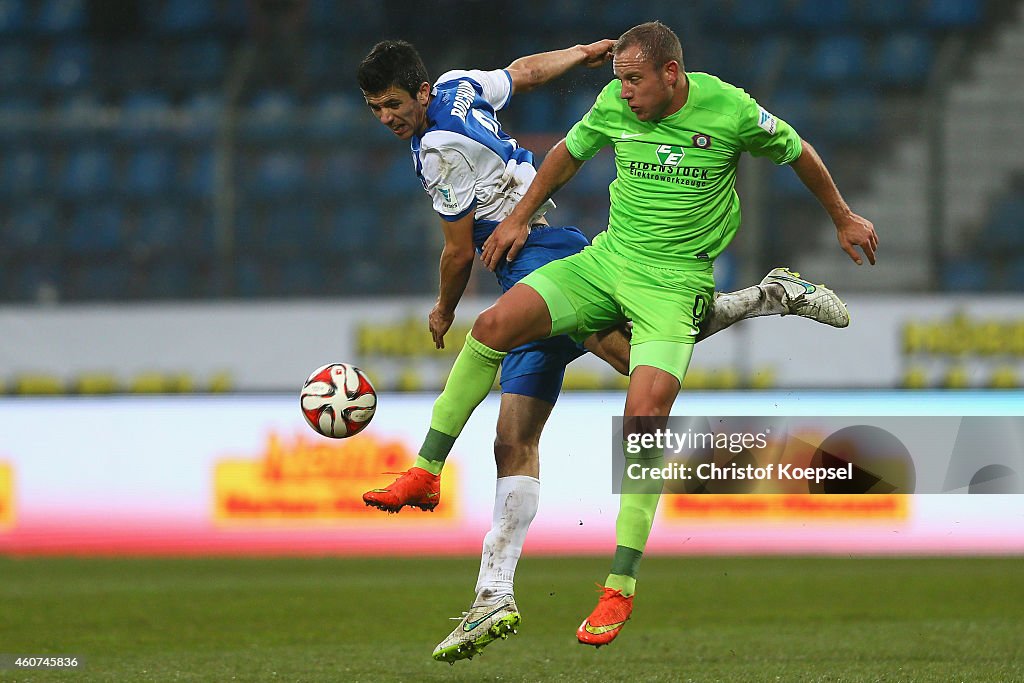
point(475, 174)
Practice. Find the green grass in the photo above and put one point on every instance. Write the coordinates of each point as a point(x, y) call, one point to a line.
point(696, 619)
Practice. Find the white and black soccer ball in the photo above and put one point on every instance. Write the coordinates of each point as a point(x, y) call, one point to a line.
point(338, 400)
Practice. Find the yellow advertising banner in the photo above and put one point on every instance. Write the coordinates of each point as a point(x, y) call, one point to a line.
point(6, 495)
point(787, 507)
point(312, 479)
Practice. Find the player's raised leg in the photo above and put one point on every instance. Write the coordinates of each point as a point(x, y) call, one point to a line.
point(781, 292)
point(519, 316)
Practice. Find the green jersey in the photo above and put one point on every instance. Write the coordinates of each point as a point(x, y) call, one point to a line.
point(673, 202)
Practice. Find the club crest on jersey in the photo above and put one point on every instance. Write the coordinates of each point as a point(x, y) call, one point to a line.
point(766, 121)
point(670, 155)
point(702, 141)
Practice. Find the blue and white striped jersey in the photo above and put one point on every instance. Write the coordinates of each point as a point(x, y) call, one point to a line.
point(465, 161)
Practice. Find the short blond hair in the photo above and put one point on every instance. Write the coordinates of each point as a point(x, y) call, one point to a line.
point(657, 43)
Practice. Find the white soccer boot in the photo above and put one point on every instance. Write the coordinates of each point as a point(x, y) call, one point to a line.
point(485, 622)
point(807, 299)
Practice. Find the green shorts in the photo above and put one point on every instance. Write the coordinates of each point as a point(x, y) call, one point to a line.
point(598, 288)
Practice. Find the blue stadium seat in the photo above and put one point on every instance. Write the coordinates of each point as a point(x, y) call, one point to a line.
point(12, 17)
point(200, 116)
point(32, 226)
point(837, 59)
point(148, 172)
point(966, 275)
point(398, 176)
point(96, 228)
point(754, 62)
point(573, 108)
point(953, 13)
point(79, 113)
point(353, 226)
point(301, 276)
point(197, 173)
point(851, 115)
point(61, 16)
point(145, 116)
point(202, 229)
point(161, 226)
point(341, 171)
point(15, 67)
point(186, 16)
point(797, 108)
point(271, 116)
point(757, 15)
point(410, 226)
point(68, 66)
point(23, 170)
point(290, 227)
point(711, 56)
point(821, 14)
point(200, 63)
point(904, 59)
point(249, 277)
point(1014, 280)
point(87, 171)
point(277, 173)
point(18, 118)
point(595, 175)
point(786, 184)
point(167, 280)
point(327, 15)
point(535, 112)
point(233, 17)
point(32, 280)
point(133, 65)
point(98, 281)
point(333, 115)
point(323, 58)
point(1004, 230)
point(247, 228)
point(885, 13)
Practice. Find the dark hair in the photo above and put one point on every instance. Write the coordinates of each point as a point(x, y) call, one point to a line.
point(657, 43)
point(392, 62)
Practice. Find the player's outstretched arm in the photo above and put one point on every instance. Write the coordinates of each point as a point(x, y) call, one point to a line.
point(510, 235)
point(534, 71)
point(851, 230)
point(456, 267)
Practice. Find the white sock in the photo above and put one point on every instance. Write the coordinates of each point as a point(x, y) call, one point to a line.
point(731, 307)
point(515, 505)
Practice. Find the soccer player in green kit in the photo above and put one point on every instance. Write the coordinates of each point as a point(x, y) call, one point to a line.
point(677, 139)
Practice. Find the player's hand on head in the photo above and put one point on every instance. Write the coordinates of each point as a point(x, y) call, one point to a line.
point(857, 231)
point(440, 321)
point(506, 241)
point(598, 53)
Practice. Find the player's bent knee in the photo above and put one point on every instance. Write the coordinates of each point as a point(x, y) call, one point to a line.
point(489, 329)
point(511, 322)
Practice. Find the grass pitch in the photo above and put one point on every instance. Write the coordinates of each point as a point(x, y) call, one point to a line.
point(696, 619)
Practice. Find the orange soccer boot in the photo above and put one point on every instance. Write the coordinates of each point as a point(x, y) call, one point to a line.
point(416, 487)
point(607, 619)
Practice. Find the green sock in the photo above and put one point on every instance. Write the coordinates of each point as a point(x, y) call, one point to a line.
point(471, 378)
point(638, 503)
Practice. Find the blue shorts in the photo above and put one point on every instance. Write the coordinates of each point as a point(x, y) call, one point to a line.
point(537, 369)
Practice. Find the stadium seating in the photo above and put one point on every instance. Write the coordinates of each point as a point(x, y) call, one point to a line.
point(967, 275)
point(111, 145)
